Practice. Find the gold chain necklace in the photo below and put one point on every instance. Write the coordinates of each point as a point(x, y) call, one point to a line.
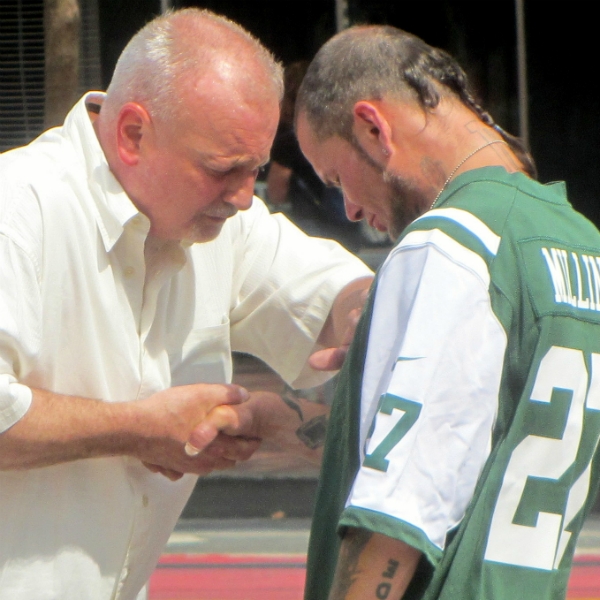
point(460, 164)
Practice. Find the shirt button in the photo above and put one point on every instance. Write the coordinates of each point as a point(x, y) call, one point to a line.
point(129, 271)
point(145, 500)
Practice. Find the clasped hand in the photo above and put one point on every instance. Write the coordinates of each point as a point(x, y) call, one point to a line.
point(174, 414)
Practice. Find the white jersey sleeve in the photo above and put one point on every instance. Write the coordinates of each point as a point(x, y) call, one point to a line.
point(430, 387)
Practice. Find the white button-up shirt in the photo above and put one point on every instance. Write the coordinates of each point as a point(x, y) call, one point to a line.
point(83, 312)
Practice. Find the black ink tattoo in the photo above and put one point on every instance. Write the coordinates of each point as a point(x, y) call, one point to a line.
point(289, 397)
point(391, 568)
point(384, 588)
point(313, 432)
point(347, 567)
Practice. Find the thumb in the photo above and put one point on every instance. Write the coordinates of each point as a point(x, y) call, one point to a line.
point(211, 395)
point(219, 418)
point(329, 359)
point(227, 394)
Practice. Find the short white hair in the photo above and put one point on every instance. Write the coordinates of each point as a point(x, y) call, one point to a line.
point(177, 47)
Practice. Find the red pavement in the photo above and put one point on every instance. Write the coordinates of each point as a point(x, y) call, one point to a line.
point(584, 583)
point(227, 577)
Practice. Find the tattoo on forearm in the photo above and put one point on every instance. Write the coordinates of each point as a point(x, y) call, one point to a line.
point(384, 588)
point(289, 397)
point(347, 568)
point(313, 432)
point(391, 569)
point(310, 433)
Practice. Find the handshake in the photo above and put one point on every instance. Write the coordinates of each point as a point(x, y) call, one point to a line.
point(207, 427)
point(201, 428)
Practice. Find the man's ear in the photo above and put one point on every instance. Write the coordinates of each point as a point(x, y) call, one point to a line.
point(372, 130)
point(133, 123)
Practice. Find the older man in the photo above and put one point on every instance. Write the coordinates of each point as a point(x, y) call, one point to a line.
point(459, 457)
point(116, 325)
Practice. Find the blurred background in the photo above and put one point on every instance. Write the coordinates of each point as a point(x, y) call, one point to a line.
point(51, 51)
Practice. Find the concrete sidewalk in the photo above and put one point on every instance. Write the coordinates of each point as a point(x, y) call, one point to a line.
point(240, 536)
point(288, 536)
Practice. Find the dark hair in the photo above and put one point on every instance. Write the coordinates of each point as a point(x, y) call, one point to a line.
point(292, 78)
point(368, 62)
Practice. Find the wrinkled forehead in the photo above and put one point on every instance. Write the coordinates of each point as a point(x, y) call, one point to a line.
point(221, 123)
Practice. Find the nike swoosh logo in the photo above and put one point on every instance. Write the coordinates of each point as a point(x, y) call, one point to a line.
point(406, 359)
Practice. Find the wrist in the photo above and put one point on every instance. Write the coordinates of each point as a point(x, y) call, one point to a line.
point(264, 408)
point(129, 428)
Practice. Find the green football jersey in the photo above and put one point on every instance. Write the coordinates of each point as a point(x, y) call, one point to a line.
point(467, 414)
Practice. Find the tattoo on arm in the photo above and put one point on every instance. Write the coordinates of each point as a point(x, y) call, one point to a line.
point(347, 567)
point(383, 589)
point(289, 398)
point(313, 432)
point(354, 574)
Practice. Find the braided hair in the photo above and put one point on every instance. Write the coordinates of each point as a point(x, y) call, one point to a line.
point(372, 61)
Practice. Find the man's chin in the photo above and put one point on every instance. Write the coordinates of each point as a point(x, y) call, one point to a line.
point(200, 234)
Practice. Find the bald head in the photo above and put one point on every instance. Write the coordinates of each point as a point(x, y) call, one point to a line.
point(179, 52)
point(188, 120)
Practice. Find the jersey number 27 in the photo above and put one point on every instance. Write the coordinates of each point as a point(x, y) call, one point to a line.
point(562, 380)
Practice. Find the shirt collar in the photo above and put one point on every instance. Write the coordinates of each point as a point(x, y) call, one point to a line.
point(557, 189)
point(113, 207)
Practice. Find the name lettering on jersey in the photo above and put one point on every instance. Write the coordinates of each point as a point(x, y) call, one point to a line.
point(575, 278)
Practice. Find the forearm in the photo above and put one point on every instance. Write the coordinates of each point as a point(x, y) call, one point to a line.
point(297, 425)
point(293, 424)
point(373, 566)
point(344, 311)
point(59, 428)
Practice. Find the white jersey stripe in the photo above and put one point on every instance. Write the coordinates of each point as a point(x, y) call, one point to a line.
point(469, 221)
point(450, 247)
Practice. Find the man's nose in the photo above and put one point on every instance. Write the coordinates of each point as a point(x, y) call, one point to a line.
point(242, 192)
point(353, 211)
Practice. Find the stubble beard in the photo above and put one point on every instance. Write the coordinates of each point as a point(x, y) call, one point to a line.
point(203, 230)
point(405, 198)
point(406, 201)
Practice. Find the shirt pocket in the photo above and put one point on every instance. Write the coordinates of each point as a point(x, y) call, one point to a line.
point(205, 357)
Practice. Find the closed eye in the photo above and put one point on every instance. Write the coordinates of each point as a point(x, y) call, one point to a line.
point(237, 170)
